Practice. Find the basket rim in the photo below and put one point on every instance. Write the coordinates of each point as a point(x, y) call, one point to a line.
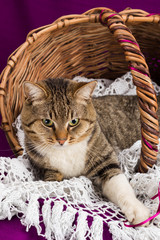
point(127, 15)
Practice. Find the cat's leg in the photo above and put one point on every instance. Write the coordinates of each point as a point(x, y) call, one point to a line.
point(52, 175)
point(119, 191)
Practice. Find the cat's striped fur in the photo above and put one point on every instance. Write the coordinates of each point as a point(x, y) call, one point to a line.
point(103, 126)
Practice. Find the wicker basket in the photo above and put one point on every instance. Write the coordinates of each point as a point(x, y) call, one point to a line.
point(99, 43)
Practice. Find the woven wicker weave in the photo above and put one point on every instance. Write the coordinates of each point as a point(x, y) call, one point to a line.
point(99, 43)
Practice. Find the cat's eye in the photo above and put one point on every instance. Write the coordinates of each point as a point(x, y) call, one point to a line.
point(73, 122)
point(48, 122)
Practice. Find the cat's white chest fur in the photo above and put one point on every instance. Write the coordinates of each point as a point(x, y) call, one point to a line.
point(69, 160)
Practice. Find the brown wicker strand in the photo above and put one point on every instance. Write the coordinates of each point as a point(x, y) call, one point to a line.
point(146, 95)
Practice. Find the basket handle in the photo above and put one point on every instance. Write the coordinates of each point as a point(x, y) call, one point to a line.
point(145, 91)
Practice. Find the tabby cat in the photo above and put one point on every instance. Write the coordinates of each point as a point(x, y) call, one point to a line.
point(68, 134)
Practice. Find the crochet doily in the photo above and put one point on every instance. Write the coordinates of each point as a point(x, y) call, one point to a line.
point(74, 209)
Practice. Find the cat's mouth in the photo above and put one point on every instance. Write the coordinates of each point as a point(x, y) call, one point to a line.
point(58, 143)
point(61, 144)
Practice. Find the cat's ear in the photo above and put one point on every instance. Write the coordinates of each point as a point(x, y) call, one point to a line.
point(33, 91)
point(85, 91)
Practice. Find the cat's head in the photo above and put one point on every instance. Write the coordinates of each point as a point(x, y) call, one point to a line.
point(58, 112)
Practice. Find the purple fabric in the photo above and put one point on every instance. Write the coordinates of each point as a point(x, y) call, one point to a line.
point(14, 230)
point(17, 18)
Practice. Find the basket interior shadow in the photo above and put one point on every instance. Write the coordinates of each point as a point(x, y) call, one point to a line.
point(97, 44)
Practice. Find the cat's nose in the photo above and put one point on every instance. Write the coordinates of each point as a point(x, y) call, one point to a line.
point(61, 141)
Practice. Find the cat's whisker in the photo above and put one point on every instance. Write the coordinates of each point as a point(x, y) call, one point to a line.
point(41, 134)
point(45, 149)
point(50, 140)
point(34, 148)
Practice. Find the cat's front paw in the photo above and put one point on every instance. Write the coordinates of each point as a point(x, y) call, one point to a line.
point(136, 212)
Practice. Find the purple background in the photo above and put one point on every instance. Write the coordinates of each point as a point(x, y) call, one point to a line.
point(17, 18)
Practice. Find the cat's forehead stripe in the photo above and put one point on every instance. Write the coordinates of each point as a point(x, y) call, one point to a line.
point(50, 114)
point(60, 101)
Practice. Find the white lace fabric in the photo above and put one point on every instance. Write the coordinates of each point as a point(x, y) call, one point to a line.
point(65, 206)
